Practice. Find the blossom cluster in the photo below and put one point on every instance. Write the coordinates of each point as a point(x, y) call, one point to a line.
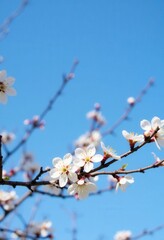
point(7, 199)
point(36, 229)
point(75, 171)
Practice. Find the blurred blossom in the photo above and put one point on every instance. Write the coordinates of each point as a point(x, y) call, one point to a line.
point(124, 181)
point(96, 116)
point(131, 101)
point(6, 86)
point(43, 229)
point(51, 188)
point(88, 138)
point(123, 235)
point(7, 137)
point(29, 165)
point(82, 189)
point(35, 121)
point(7, 199)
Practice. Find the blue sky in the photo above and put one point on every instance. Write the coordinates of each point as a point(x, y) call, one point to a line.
point(119, 45)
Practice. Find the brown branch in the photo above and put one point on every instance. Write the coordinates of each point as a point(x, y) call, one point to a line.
point(4, 26)
point(139, 170)
point(105, 165)
point(148, 232)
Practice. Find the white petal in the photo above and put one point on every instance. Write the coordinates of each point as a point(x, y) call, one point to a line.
point(160, 142)
point(2, 75)
point(79, 162)
point(9, 81)
point(11, 91)
point(97, 158)
point(91, 187)
point(88, 167)
point(145, 125)
point(72, 176)
point(82, 192)
point(90, 150)
point(80, 153)
point(156, 122)
point(130, 179)
point(3, 97)
point(63, 180)
point(72, 189)
point(125, 134)
point(56, 160)
point(54, 173)
point(67, 159)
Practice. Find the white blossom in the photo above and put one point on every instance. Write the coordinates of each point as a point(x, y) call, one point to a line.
point(123, 182)
point(109, 152)
point(131, 101)
point(7, 199)
point(5, 86)
point(86, 158)
point(63, 170)
point(88, 138)
point(40, 229)
point(82, 189)
point(132, 138)
point(150, 127)
point(7, 137)
point(123, 235)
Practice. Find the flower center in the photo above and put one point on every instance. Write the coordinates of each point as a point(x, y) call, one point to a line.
point(2, 87)
point(87, 159)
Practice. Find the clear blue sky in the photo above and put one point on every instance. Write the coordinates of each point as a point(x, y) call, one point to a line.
point(120, 45)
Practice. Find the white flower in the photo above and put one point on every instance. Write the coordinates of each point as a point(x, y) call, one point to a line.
point(63, 170)
point(132, 138)
point(131, 101)
point(86, 139)
point(109, 152)
point(150, 127)
point(82, 189)
point(7, 137)
point(123, 182)
point(157, 159)
point(40, 229)
point(51, 188)
point(97, 116)
point(7, 199)
point(86, 158)
point(5, 86)
point(123, 235)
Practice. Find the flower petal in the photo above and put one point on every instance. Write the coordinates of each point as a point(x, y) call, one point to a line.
point(56, 160)
point(54, 173)
point(97, 158)
point(2, 75)
point(3, 97)
point(67, 159)
point(88, 167)
point(72, 176)
point(90, 150)
point(145, 125)
point(63, 179)
point(80, 153)
point(11, 91)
